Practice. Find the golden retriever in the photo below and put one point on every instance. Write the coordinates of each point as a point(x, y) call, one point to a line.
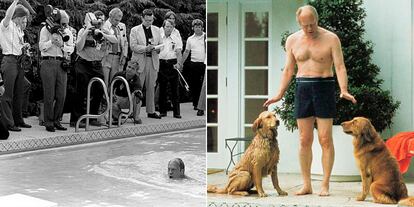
point(259, 160)
point(379, 170)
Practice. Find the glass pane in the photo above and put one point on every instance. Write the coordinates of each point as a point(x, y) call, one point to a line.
point(256, 53)
point(212, 139)
point(253, 107)
point(248, 133)
point(212, 110)
point(257, 24)
point(212, 82)
point(255, 82)
point(212, 26)
point(212, 53)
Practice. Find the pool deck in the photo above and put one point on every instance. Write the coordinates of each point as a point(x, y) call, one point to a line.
point(38, 138)
point(342, 194)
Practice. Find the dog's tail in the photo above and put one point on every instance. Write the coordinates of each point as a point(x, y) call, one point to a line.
point(409, 201)
point(215, 189)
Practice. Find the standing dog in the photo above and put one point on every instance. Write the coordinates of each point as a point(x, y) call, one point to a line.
point(259, 160)
point(379, 170)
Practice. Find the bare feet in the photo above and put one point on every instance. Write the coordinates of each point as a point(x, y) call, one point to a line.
point(324, 191)
point(304, 191)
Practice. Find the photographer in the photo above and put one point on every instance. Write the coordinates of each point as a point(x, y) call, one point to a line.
point(91, 47)
point(12, 44)
point(4, 133)
point(121, 94)
point(54, 77)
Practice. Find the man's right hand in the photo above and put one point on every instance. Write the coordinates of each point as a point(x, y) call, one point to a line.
point(149, 48)
point(272, 100)
point(57, 40)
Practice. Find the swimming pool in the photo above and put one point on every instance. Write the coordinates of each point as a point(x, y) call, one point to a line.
point(126, 172)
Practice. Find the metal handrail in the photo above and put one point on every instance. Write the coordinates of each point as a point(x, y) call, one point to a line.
point(111, 94)
point(87, 116)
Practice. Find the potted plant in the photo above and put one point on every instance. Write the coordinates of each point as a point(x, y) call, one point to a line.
point(346, 19)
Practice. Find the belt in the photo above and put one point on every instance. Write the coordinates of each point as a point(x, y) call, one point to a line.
point(115, 53)
point(52, 58)
point(148, 54)
point(169, 61)
point(89, 61)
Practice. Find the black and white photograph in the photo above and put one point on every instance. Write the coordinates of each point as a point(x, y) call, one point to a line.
point(102, 103)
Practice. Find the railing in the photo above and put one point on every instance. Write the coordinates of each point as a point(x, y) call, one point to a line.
point(87, 116)
point(111, 91)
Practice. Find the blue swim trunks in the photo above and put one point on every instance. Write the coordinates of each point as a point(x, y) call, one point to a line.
point(315, 97)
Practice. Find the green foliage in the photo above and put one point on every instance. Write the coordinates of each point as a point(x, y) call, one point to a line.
point(346, 19)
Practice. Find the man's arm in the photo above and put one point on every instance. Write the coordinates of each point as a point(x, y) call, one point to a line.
point(82, 34)
point(340, 69)
point(287, 74)
point(9, 13)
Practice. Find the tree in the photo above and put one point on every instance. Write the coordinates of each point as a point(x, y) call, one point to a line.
point(186, 11)
point(346, 19)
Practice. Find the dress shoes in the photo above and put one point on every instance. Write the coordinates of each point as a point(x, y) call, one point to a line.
point(95, 122)
point(50, 128)
point(14, 129)
point(178, 116)
point(163, 114)
point(138, 121)
point(24, 125)
point(81, 124)
point(59, 126)
point(154, 116)
point(200, 113)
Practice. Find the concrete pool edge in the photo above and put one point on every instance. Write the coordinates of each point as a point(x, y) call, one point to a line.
point(11, 146)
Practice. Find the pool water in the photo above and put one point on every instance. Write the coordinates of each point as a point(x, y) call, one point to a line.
point(121, 173)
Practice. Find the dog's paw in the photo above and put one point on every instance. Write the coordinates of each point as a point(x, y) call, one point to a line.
point(262, 194)
point(360, 198)
point(282, 193)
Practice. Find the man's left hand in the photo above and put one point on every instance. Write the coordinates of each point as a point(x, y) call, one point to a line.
point(122, 61)
point(348, 97)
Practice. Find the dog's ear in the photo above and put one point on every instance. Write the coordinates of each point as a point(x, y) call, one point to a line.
point(368, 133)
point(257, 124)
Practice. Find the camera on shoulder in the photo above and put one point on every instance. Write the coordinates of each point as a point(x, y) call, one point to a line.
point(53, 17)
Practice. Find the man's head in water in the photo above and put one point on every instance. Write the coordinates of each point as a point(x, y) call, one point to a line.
point(176, 168)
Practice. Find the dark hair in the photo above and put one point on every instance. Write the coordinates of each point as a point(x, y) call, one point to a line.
point(197, 22)
point(168, 20)
point(168, 14)
point(180, 163)
point(147, 12)
point(98, 13)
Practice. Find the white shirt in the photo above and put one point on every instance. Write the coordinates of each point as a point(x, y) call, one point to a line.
point(107, 26)
point(11, 38)
point(48, 49)
point(196, 45)
point(170, 45)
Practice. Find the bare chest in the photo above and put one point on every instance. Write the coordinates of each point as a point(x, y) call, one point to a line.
point(316, 51)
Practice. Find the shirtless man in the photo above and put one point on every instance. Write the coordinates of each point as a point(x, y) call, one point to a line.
point(314, 50)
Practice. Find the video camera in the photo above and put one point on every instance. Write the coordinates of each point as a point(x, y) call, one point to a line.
point(53, 22)
point(96, 24)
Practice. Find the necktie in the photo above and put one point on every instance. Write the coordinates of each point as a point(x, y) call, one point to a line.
point(115, 45)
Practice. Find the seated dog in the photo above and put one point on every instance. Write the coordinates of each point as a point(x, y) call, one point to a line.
point(379, 170)
point(259, 160)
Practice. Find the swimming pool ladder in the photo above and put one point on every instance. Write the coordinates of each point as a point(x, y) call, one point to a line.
point(111, 94)
point(87, 116)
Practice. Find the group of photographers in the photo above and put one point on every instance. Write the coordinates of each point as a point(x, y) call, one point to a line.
point(101, 51)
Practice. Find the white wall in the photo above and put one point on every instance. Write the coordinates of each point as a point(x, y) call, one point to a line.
point(284, 19)
point(389, 25)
